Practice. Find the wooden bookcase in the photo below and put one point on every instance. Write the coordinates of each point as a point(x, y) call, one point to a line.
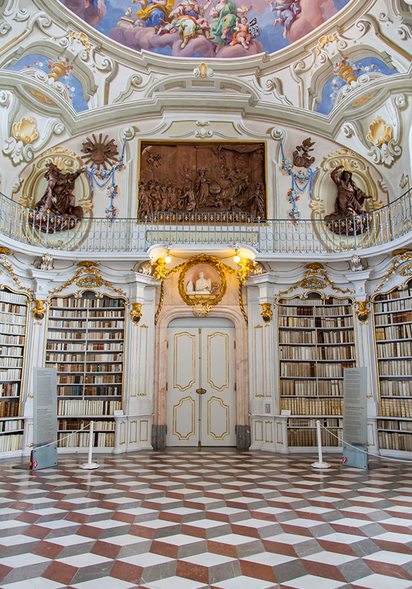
point(13, 321)
point(393, 332)
point(85, 343)
point(316, 342)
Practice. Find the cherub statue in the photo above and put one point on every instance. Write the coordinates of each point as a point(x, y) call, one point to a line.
point(302, 160)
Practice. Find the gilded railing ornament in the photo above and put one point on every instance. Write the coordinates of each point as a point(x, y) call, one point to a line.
point(362, 311)
point(136, 312)
point(39, 309)
point(267, 313)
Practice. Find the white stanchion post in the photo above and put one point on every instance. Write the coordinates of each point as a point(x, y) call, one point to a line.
point(320, 464)
point(90, 465)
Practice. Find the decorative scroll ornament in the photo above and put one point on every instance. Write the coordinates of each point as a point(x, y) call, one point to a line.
point(25, 130)
point(315, 278)
point(406, 270)
point(362, 311)
point(267, 313)
point(89, 282)
point(92, 279)
point(136, 312)
point(379, 133)
point(39, 310)
point(203, 71)
point(5, 251)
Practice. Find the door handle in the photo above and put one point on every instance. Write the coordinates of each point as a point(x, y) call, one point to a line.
point(201, 391)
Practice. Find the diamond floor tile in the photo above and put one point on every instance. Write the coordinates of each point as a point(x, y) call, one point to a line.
point(215, 519)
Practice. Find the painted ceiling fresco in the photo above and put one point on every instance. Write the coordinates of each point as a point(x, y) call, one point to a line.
point(222, 29)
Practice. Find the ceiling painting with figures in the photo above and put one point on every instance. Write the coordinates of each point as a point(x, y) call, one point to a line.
point(205, 28)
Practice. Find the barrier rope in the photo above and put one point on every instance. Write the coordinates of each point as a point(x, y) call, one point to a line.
point(364, 451)
point(64, 438)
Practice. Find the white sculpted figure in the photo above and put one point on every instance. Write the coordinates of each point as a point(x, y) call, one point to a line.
point(203, 285)
point(189, 287)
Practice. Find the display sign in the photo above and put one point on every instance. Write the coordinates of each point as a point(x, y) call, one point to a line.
point(44, 453)
point(355, 434)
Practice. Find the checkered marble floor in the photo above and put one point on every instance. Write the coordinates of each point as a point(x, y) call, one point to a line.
point(218, 519)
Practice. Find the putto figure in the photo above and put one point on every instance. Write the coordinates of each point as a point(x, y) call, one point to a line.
point(287, 11)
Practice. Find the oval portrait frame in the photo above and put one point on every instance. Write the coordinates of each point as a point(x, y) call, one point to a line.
point(210, 299)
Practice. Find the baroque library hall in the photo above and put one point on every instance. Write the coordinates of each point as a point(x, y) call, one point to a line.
point(205, 239)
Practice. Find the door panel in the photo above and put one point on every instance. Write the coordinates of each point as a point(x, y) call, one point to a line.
point(201, 358)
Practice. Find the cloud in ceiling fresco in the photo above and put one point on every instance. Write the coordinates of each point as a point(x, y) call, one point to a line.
point(188, 28)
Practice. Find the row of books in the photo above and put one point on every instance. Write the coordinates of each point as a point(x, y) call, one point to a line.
point(15, 339)
point(71, 347)
point(315, 310)
point(90, 324)
point(316, 322)
point(315, 337)
point(82, 358)
point(395, 424)
point(86, 314)
point(6, 328)
point(396, 407)
point(12, 319)
point(396, 388)
point(9, 409)
point(11, 308)
point(10, 374)
point(11, 351)
point(308, 437)
point(85, 368)
point(79, 424)
point(11, 443)
point(394, 349)
point(304, 406)
point(390, 306)
point(11, 425)
point(87, 407)
point(394, 318)
point(394, 294)
point(88, 391)
point(312, 388)
point(81, 440)
point(395, 367)
point(395, 441)
point(328, 422)
point(11, 297)
point(86, 336)
point(9, 389)
point(82, 303)
point(394, 332)
point(11, 361)
point(313, 370)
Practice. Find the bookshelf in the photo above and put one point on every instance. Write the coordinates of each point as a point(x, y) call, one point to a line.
point(316, 343)
point(85, 343)
point(393, 333)
point(13, 321)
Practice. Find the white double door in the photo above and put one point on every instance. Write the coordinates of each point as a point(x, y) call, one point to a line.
point(201, 397)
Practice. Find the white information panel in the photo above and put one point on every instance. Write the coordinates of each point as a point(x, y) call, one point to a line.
point(44, 452)
point(355, 433)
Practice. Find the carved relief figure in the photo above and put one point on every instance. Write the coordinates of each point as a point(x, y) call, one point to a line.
point(203, 285)
point(301, 158)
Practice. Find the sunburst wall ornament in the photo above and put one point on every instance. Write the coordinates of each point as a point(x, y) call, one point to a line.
point(100, 153)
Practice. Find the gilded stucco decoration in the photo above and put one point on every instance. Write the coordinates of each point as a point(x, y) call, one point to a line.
point(362, 311)
point(87, 276)
point(4, 251)
point(39, 310)
point(202, 283)
point(401, 255)
point(315, 278)
point(136, 312)
point(25, 130)
point(33, 189)
point(267, 313)
point(324, 198)
point(379, 132)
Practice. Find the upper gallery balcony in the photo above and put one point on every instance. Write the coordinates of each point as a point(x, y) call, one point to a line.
point(380, 230)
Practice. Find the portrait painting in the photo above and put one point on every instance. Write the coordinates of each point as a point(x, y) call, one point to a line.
point(201, 28)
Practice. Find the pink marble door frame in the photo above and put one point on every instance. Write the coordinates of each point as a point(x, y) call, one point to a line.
point(241, 360)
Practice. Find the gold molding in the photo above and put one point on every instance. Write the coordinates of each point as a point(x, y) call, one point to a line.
point(9, 268)
point(242, 308)
point(209, 299)
point(92, 279)
point(5, 251)
point(160, 305)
